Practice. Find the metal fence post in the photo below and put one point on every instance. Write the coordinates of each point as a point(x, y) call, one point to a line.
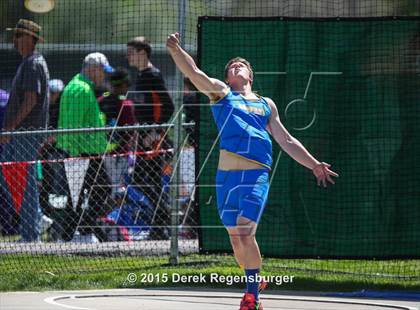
point(176, 178)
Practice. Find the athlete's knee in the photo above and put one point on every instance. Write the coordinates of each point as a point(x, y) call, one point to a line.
point(246, 228)
point(248, 240)
point(245, 235)
point(235, 241)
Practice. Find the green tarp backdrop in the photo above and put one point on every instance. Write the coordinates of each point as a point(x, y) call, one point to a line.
point(349, 91)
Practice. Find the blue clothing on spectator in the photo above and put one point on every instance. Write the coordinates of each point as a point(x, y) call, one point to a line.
point(4, 97)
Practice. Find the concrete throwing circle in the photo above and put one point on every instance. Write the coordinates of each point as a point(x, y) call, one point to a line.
point(185, 299)
point(174, 300)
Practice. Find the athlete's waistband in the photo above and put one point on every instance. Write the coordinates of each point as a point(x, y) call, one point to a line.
point(262, 169)
point(247, 159)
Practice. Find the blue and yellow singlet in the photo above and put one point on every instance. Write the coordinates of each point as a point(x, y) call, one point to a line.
point(242, 127)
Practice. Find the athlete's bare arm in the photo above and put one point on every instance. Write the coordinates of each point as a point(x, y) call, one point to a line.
point(295, 149)
point(212, 88)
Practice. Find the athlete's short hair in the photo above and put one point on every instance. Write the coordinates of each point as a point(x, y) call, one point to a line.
point(242, 60)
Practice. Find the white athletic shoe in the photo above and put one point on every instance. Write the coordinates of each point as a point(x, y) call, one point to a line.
point(89, 238)
point(46, 223)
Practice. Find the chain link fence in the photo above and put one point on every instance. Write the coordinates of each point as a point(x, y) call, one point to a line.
point(120, 196)
point(135, 197)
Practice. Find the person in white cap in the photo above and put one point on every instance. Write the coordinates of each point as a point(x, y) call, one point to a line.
point(56, 88)
point(80, 109)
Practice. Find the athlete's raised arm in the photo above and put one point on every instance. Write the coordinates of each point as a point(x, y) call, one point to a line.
point(212, 88)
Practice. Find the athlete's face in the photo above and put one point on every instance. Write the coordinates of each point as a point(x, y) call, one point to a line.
point(238, 71)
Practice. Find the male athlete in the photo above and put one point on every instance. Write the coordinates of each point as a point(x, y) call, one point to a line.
point(242, 182)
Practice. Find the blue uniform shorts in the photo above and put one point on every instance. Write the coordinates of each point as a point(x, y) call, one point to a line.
point(241, 193)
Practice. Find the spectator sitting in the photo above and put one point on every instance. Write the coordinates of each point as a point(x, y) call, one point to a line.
point(118, 110)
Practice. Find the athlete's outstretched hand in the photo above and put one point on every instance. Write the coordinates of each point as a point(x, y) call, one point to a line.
point(323, 174)
point(172, 43)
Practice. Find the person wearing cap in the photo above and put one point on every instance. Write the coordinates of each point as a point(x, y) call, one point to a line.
point(118, 111)
point(56, 87)
point(79, 108)
point(27, 109)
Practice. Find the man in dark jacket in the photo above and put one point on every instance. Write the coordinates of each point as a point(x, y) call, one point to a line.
point(153, 105)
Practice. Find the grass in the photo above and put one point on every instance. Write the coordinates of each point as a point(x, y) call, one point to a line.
point(39, 273)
